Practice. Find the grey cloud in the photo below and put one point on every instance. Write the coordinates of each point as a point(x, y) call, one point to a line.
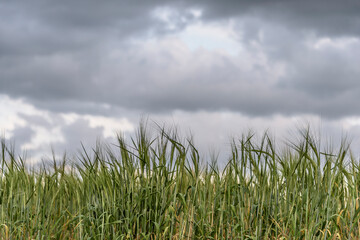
point(42, 27)
point(324, 17)
point(326, 79)
point(36, 120)
point(72, 56)
point(154, 82)
point(21, 135)
point(79, 107)
point(79, 133)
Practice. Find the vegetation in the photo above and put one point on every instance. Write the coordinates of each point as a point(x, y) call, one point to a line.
point(157, 188)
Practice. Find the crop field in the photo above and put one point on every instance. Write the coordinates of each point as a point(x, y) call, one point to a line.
point(157, 186)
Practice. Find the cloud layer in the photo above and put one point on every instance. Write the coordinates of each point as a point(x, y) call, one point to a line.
point(86, 68)
point(291, 57)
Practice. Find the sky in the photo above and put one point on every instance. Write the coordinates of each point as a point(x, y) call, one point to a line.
point(72, 72)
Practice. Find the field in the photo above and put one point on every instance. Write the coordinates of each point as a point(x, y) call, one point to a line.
point(158, 187)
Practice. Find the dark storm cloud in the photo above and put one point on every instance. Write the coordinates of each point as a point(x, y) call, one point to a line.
point(74, 55)
point(325, 17)
point(322, 78)
point(47, 27)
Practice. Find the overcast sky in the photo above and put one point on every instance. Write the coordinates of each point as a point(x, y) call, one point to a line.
point(75, 71)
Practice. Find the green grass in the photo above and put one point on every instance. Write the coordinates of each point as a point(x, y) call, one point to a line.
point(157, 188)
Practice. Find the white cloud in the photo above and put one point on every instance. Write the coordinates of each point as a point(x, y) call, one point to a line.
point(44, 137)
point(174, 18)
point(45, 129)
point(339, 43)
point(350, 122)
point(111, 125)
point(212, 130)
point(9, 114)
point(212, 37)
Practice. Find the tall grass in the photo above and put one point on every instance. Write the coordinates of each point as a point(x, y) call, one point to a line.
point(157, 188)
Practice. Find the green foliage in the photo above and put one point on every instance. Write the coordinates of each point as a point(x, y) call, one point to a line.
point(157, 188)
